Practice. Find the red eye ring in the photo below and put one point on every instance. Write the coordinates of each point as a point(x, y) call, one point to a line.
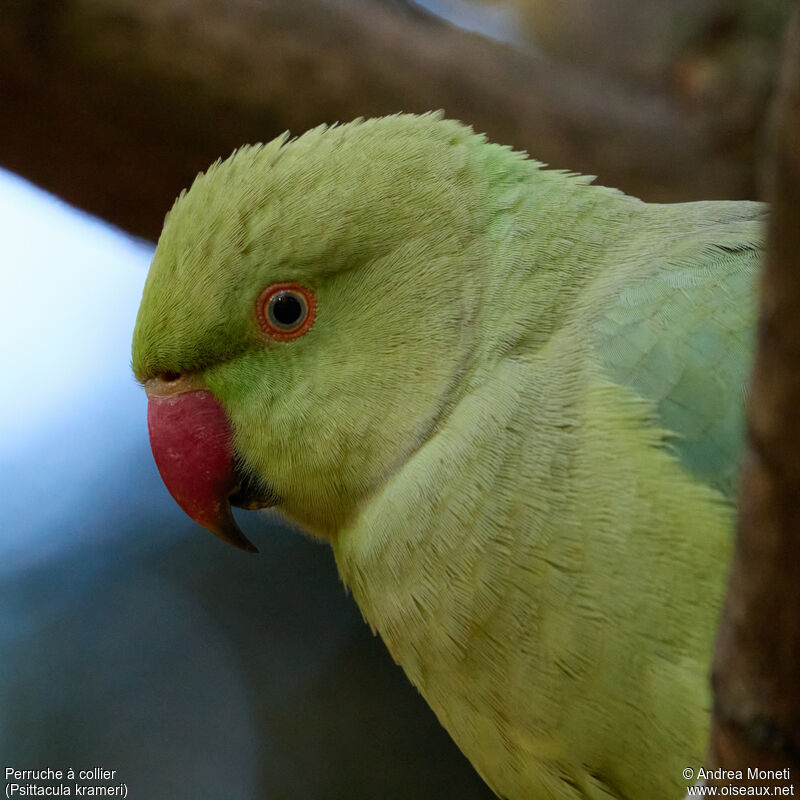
point(286, 311)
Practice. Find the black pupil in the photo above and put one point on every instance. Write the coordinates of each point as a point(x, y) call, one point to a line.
point(287, 309)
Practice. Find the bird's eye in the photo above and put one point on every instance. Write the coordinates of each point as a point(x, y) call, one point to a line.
point(285, 310)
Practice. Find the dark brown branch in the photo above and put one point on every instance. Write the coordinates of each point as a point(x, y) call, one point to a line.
point(757, 662)
point(116, 104)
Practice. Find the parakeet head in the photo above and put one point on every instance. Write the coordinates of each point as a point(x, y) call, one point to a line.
point(308, 315)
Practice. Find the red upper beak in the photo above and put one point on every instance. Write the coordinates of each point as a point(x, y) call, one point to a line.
point(192, 443)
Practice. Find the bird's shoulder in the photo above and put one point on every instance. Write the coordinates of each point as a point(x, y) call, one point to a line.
point(678, 330)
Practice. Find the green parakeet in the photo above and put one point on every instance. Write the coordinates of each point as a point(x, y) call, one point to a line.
point(509, 399)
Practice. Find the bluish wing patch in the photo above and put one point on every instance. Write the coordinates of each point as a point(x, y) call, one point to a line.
point(682, 338)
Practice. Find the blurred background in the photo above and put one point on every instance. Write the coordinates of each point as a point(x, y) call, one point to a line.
point(130, 639)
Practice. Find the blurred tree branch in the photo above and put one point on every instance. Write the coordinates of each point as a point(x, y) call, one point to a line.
point(757, 661)
point(116, 104)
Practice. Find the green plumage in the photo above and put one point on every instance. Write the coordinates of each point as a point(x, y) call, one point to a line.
point(517, 418)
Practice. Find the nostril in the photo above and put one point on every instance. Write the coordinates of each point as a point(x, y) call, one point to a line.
point(169, 382)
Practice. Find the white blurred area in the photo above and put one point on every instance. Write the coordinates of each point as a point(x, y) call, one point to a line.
point(498, 20)
point(70, 286)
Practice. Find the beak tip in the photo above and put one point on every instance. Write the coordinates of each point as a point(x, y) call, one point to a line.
point(227, 530)
point(250, 548)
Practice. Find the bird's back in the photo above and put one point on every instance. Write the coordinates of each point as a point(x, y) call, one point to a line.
point(681, 335)
point(548, 567)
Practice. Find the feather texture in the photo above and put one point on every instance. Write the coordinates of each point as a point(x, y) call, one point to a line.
point(517, 419)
